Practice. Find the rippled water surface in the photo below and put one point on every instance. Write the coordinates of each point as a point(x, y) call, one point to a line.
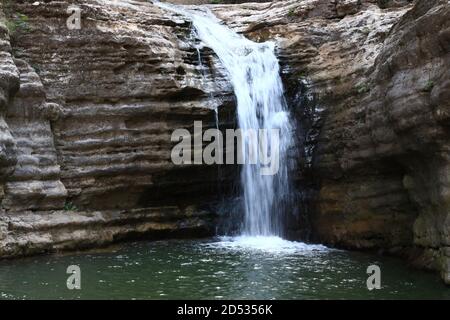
point(220, 268)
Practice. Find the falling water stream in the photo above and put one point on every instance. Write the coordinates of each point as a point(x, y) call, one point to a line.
point(263, 117)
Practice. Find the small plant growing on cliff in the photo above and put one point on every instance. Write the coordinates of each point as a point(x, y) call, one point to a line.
point(18, 22)
point(366, 31)
point(362, 88)
point(301, 74)
point(36, 68)
point(69, 206)
point(291, 13)
point(11, 26)
point(14, 21)
point(429, 86)
point(215, 2)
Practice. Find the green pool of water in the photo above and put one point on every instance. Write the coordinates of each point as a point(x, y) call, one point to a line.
point(220, 268)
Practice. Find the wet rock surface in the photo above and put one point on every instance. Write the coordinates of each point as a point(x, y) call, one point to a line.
point(87, 117)
point(377, 75)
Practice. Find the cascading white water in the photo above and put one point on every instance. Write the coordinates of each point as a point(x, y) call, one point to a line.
point(253, 70)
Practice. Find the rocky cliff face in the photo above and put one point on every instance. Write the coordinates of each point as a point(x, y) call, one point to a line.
point(87, 116)
point(375, 115)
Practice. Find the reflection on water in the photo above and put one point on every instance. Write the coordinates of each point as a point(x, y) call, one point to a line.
point(220, 268)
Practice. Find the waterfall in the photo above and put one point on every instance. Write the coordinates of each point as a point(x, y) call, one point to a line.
point(253, 70)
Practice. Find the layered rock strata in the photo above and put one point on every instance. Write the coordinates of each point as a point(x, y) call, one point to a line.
point(371, 86)
point(87, 118)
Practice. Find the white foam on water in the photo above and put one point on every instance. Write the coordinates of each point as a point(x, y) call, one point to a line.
point(266, 244)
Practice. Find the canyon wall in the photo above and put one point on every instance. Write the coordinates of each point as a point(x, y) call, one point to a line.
point(86, 119)
point(371, 87)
